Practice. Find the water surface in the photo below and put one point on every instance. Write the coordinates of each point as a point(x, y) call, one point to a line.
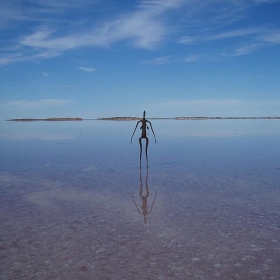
point(74, 203)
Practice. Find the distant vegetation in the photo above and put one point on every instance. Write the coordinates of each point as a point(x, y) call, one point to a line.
point(120, 119)
point(186, 118)
point(224, 118)
point(137, 119)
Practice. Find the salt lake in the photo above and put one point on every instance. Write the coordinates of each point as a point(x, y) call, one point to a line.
point(74, 203)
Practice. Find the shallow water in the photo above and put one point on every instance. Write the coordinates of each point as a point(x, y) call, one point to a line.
point(74, 203)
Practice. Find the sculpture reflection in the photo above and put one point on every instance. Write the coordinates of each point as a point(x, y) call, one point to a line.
point(143, 127)
point(144, 197)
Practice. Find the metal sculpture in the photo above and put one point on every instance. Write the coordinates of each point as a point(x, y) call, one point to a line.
point(144, 126)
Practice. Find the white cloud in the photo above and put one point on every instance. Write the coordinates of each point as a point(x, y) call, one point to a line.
point(236, 33)
point(255, 38)
point(272, 37)
point(45, 74)
point(43, 39)
point(219, 107)
point(195, 58)
point(219, 102)
point(87, 69)
point(21, 57)
point(245, 50)
point(158, 61)
point(14, 13)
point(11, 58)
point(203, 102)
point(143, 28)
point(187, 40)
point(147, 25)
point(36, 103)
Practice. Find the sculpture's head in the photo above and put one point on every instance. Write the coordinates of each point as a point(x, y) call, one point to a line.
point(144, 114)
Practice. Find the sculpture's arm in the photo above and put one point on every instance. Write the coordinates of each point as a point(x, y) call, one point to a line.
point(153, 203)
point(135, 203)
point(152, 131)
point(134, 130)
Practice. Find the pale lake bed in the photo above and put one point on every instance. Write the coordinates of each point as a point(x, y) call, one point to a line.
point(74, 203)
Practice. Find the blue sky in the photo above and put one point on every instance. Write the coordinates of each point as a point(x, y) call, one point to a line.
point(102, 58)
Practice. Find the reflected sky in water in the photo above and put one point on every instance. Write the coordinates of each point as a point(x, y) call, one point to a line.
point(74, 204)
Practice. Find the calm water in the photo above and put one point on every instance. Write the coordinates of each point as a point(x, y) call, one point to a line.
point(75, 205)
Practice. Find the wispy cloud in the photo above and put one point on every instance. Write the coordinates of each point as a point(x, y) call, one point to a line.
point(11, 58)
point(195, 58)
point(187, 40)
point(235, 33)
point(158, 61)
point(254, 39)
point(22, 57)
point(220, 107)
point(272, 37)
point(87, 69)
point(253, 34)
point(245, 49)
point(45, 74)
point(203, 102)
point(146, 25)
point(143, 27)
point(15, 13)
point(218, 102)
point(36, 103)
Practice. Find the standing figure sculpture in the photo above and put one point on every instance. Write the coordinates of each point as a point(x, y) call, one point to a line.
point(143, 127)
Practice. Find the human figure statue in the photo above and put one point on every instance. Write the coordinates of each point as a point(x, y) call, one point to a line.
point(144, 207)
point(143, 127)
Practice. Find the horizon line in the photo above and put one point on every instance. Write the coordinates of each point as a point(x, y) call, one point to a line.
point(139, 118)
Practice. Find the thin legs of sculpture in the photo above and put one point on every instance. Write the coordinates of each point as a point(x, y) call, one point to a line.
point(146, 149)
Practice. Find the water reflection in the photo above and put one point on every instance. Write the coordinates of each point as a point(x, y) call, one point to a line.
point(144, 197)
point(61, 203)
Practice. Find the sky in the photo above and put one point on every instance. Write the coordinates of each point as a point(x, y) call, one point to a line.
point(108, 58)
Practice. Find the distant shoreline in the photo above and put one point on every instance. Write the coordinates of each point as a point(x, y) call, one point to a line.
point(137, 119)
point(188, 118)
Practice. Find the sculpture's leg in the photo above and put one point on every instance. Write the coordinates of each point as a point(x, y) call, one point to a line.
point(140, 143)
point(147, 191)
point(141, 184)
point(147, 187)
point(147, 144)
